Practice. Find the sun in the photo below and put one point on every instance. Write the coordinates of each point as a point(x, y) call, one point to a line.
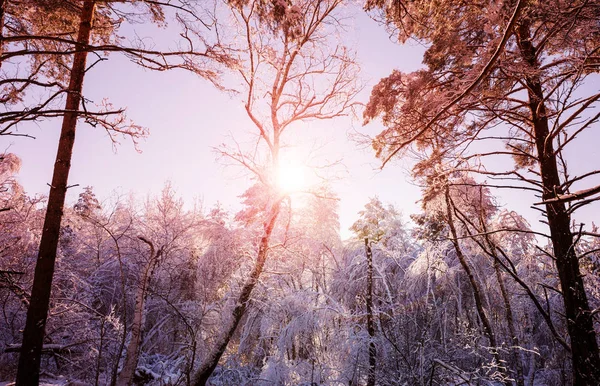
point(291, 178)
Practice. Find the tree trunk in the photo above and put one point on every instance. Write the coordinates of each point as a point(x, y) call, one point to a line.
point(33, 336)
point(139, 317)
point(2, 12)
point(584, 347)
point(117, 359)
point(370, 324)
point(211, 362)
point(508, 313)
point(511, 326)
point(487, 326)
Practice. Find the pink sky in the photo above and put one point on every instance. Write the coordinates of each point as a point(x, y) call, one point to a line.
point(187, 116)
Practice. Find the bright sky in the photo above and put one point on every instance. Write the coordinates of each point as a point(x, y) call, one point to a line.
point(187, 117)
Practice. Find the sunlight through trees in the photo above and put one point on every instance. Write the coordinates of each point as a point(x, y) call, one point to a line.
point(148, 288)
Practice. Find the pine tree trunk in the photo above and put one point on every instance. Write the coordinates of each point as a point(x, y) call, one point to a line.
point(133, 348)
point(33, 336)
point(585, 353)
point(370, 322)
point(211, 362)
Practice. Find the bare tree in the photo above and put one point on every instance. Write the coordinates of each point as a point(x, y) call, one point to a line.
point(133, 349)
point(291, 69)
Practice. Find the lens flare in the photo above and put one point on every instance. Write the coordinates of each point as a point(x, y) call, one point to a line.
point(291, 178)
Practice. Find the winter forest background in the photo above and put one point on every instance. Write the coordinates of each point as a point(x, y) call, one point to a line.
point(492, 278)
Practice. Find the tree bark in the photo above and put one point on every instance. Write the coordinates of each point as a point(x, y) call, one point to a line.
point(584, 347)
point(33, 336)
point(211, 362)
point(2, 12)
point(370, 323)
point(139, 317)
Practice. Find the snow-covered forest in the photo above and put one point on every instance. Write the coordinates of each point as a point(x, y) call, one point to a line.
point(123, 290)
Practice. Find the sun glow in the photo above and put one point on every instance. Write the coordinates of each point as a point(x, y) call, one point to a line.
point(291, 178)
